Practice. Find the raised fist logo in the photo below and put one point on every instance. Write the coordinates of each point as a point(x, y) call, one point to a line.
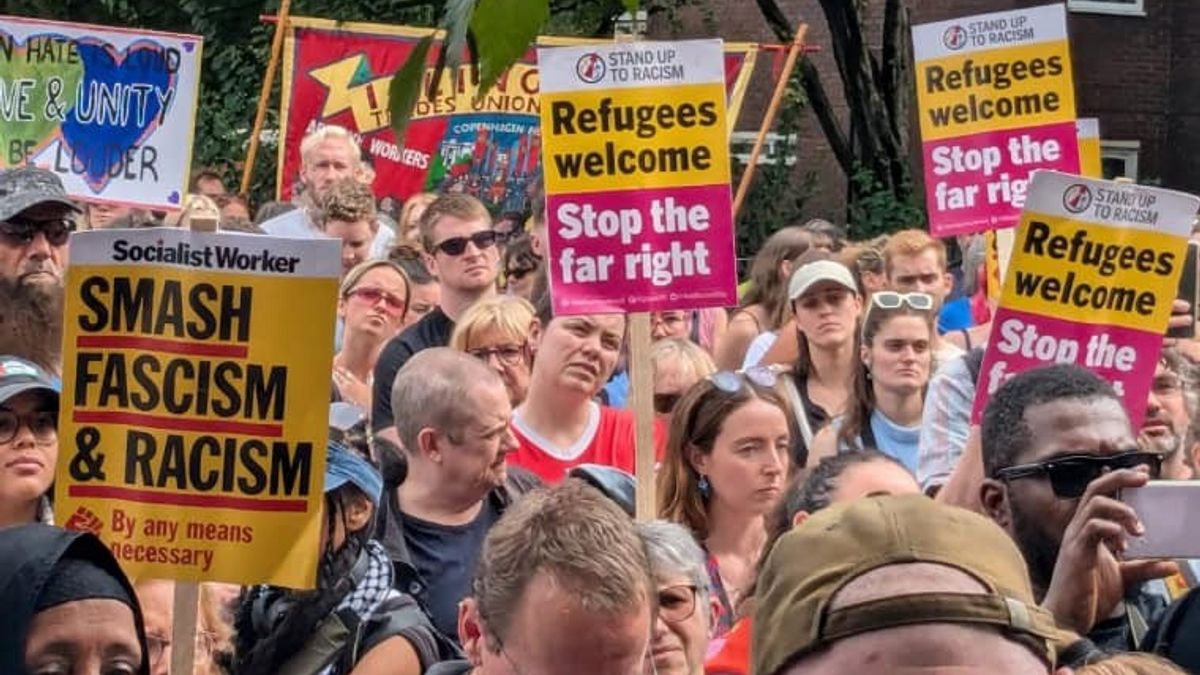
point(83, 520)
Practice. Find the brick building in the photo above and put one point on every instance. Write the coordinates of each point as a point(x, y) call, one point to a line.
point(1136, 64)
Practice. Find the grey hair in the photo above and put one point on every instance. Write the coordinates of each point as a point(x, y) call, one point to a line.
point(431, 390)
point(673, 551)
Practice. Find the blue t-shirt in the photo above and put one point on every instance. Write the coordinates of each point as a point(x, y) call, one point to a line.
point(898, 442)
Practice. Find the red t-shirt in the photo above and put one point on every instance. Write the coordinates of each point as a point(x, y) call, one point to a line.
point(608, 439)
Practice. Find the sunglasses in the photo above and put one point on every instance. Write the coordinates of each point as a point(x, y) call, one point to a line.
point(21, 231)
point(664, 404)
point(922, 302)
point(455, 246)
point(517, 274)
point(731, 382)
point(372, 296)
point(1070, 475)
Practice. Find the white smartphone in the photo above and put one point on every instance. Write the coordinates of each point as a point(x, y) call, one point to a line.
point(1170, 512)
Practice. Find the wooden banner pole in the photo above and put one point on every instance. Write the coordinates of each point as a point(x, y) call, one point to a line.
point(641, 385)
point(794, 52)
point(264, 97)
point(183, 628)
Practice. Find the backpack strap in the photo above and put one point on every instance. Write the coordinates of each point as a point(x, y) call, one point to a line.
point(974, 361)
point(401, 616)
point(799, 411)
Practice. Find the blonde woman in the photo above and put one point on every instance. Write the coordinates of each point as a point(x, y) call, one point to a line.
point(373, 300)
point(410, 216)
point(500, 331)
point(678, 364)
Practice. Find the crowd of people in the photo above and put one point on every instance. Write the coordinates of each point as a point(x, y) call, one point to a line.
point(824, 504)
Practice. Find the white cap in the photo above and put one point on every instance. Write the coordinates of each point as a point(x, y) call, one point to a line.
point(819, 270)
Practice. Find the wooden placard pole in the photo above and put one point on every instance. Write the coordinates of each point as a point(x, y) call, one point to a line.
point(183, 627)
point(264, 97)
point(641, 385)
point(794, 52)
point(200, 214)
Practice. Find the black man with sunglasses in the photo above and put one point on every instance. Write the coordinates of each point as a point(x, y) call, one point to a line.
point(1058, 448)
point(461, 251)
point(36, 218)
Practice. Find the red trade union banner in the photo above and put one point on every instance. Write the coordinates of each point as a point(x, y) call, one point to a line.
point(339, 73)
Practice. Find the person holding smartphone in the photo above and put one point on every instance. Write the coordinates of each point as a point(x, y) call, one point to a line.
point(1057, 449)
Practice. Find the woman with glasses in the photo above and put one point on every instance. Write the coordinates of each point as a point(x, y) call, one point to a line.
point(895, 358)
point(727, 457)
point(520, 266)
point(214, 647)
point(764, 307)
point(678, 364)
point(687, 611)
point(826, 304)
point(28, 442)
point(372, 303)
point(499, 331)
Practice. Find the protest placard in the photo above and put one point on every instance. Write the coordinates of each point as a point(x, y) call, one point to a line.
point(110, 110)
point(637, 177)
point(491, 148)
point(996, 102)
point(1088, 130)
point(1093, 274)
point(195, 401)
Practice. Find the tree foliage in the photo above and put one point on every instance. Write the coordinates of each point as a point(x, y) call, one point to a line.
point(873, 150)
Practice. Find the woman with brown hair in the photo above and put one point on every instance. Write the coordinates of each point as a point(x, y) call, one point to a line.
point(726, 461)
point(764, 308)
point(895, 358)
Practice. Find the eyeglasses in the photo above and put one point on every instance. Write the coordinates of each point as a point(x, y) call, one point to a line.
point(676, 603)
point(455, 246)
point(21, 231)
point(509, 355)
point(372, 296)
point(157, 646)
point(1070, 475)
point(43, 424)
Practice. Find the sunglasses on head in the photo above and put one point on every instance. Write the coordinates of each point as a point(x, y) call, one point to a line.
point(921, 302)
point(455, 246)
point(731, 382)
point(1071, 474)
point(21, 231)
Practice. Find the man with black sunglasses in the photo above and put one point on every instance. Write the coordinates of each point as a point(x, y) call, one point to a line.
point(1058, 448)
point(460, 250)
point(36, 217)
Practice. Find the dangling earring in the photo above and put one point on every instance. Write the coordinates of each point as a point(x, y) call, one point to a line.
point(703, 486)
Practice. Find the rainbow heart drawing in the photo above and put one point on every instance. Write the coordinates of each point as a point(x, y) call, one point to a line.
point(89, 103)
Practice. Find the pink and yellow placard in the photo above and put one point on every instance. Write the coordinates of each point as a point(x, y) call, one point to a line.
point(638, 204)
point(996, 102)
point(1094, 271)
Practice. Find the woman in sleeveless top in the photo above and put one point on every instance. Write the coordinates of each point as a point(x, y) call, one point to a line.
point(889, 384)
point(826, 304)
point(726, 462)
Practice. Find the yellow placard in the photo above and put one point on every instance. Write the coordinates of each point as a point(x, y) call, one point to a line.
point(654, 137)
point(1093, 274)
point(195, 402)
point(1089, 148)
point(993, 90)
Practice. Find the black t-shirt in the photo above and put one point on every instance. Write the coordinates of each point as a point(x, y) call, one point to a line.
point(445, 557)
point(433, 330)
point(818, 419)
